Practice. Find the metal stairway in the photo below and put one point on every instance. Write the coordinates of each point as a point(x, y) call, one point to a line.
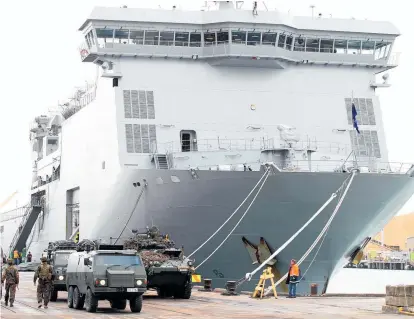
point(25, 227)
point(161, 161)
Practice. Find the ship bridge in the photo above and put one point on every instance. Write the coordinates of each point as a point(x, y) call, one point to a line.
point(232, 36)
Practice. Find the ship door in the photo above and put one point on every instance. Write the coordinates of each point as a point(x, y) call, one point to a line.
point(188, 140)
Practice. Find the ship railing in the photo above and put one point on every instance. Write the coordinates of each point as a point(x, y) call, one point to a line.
point(370, 165)
point(246, 144)
point(364, 166)
point(14, 213)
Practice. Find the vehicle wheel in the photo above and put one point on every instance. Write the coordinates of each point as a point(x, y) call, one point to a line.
point(118, 304)
point(136, 304)
point(184, 292)
point(53, 295)
point(76, 298)
point(91, 302)
point(70, 297)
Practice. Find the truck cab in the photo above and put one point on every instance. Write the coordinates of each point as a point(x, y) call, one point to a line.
point(58, 254)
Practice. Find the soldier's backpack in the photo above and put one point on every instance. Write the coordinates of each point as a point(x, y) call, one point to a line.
point(44, 272)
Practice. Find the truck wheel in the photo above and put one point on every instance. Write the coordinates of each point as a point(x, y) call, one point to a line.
point(53, 295)
point(184, 292)
point(91, 302)
point(77, 300)
point(70, 297)
point(118, 304)
point(136, 304)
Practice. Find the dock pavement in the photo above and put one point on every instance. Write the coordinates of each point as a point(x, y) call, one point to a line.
point(201, 305)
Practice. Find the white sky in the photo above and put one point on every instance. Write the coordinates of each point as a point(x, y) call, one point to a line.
point(41, 65)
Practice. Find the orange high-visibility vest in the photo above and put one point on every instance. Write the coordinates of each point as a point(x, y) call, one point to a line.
point(294, 270)
point(16, 254)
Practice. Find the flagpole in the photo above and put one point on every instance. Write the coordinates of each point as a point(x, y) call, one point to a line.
point(354, 128)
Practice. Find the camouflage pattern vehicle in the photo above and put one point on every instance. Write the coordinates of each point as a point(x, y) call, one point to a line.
point(168, 270)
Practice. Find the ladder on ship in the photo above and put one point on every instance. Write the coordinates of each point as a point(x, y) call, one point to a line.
point(161, 161)
point(26, 226)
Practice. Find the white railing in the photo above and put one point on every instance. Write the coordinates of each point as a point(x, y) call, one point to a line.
point(220, 144)
point(14, 213)
point(365, 167)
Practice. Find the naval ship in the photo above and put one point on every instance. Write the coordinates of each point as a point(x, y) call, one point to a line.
point(190, 110)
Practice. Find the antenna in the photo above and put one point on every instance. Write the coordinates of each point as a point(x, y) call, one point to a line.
point(312, 7)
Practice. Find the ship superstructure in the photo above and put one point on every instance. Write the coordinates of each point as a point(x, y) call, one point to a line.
point(186, 109)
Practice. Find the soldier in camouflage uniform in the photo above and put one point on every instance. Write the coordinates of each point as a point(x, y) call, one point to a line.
point(44, 273)
point(11, 276)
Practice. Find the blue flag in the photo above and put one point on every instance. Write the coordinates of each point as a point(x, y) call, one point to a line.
point(354, 120)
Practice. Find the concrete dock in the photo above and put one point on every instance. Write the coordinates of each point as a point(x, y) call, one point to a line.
point(201, 305)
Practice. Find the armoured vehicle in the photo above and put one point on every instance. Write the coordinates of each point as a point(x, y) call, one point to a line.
point(58, 253)
point(168, 270)
point(105, 272)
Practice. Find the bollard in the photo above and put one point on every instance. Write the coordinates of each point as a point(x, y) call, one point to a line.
point(230, 289)
point(207, 285)
point(314, 289)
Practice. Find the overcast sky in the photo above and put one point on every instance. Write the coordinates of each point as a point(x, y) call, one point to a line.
point(41, 65)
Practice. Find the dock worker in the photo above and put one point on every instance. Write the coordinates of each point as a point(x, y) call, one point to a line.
point(16, 257)
point(293, 278)
point(29, 257)
point(10, 275)
point(44, 274)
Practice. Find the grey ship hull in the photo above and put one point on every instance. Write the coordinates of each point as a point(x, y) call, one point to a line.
point(192, 209)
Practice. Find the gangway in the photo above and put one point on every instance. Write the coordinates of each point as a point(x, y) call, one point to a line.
point(26, 226)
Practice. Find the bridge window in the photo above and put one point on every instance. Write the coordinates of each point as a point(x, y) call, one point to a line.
point(238, 37)
point(195, 39)
point(136, 37)
point(340, 46)
point(167, 38)
point(222, 37)
point(209, 38)
point(312, 45)
point(327, 46)
point(269, 38)
point(289, 42)
point(368, 47)
point(382, 50)
point(90, 39)
point(151, 37)
point(282, 41)
point(181, 39)
point(253, 38)
point(104, 36)
point(299, 44)
point(121, 36)
point(354, 47)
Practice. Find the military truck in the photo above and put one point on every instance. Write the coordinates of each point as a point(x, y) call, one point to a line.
point(105, 272)
point(58, 253)
point(169, 272)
